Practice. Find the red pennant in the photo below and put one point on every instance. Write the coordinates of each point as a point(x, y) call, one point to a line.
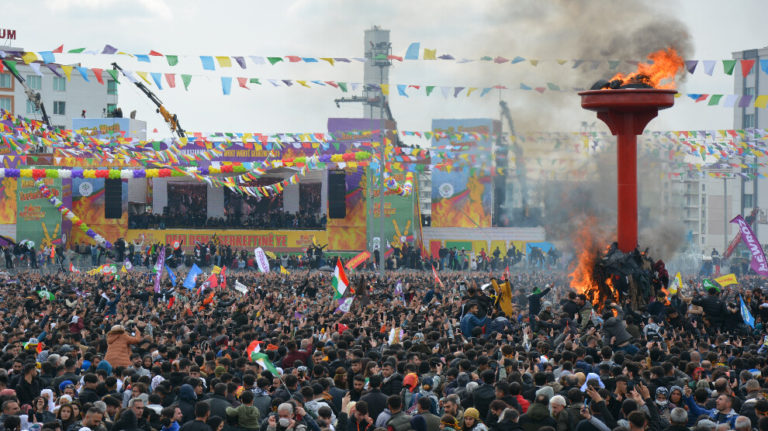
point(58, 50)
point(394, 57)
point(746, 67)
point(171, 79)
point(224, 277)
point(155, 53)
point(154, 130)
point(332, 84)
point(170, 303)
point(293, 58)
point(243, 82)
point(97, 73)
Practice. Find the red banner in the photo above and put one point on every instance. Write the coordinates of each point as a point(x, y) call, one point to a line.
point(357, 260)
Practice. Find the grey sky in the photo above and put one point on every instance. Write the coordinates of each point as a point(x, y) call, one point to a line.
point(335, 28)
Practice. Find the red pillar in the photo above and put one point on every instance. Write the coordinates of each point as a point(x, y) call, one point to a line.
point(626, 198)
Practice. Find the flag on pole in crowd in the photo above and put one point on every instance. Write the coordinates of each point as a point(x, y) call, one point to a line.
point(759, 263)
point(212, 281)
point(395, 336)
point(745, 314)
point(261, 260)
point(436, 277)
point(159, 267)
point(215, 270)
point(727, 280)
point(507, 275)
point(171, 275)
point(253, 348)
point(709, 285)
point(676, 284)
point(191, 279)
point(171, 301)
point(283, 270)
point(345, 304)
point(223, 278)
point(339, 280)
point(263, 360)
point(45, 294)
point(72, 268)
point(127, 265)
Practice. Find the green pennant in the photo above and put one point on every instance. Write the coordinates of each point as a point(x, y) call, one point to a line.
point(715, 99)
point(486, 58)
point(273, 60)
point(156, 145)
point(173, 60)
point(336, 145)
point(709, 285)
point(113, 74)
point(728, 66)
point(552, 87)
point(186, 79)
point(12, 65)
point(429, 89)
point(76, 51)
point(343, 86)
point(380, 57)
point(254, 81)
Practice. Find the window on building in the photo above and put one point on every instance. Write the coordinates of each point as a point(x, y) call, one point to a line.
point(35, 82)
point(59, 84)
point(6, 80)
point(6, 103)
point(747, 201)
point(750, 91)
point(32, 108)
point(111, 86)
point(59, 108)
point(111, 107)
point(749, 120)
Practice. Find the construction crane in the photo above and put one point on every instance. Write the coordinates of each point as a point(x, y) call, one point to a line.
point(32, 95)
point(171, 119)
point(519, 161)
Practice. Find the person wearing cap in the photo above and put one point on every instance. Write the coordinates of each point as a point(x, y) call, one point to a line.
point(534, 300)
point(449, 423)
point(545, 318)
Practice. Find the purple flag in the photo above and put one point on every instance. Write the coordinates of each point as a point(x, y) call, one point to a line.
point(345, 304)
point(745, 101)
point(159, 268)
point(759, 265)
point(109, 49)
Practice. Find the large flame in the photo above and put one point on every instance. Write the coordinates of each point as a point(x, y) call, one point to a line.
point(660, 72)
point(584, 279)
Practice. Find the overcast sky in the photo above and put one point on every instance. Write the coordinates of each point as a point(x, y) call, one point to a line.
point(541, 29)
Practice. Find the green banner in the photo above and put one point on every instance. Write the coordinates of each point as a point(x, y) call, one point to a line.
point(399, 220)
point(37, 219)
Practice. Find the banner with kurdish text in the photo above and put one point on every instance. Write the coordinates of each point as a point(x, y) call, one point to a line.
point(37, 219)
point(280, 241)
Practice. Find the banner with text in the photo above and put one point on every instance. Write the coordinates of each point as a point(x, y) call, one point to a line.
point(37, 219)
point(278, 241)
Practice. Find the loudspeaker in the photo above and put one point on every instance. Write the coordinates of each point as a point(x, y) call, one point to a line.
point(113, 198)
point(337, 194)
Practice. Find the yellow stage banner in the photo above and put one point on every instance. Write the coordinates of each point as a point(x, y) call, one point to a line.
point(278, 240)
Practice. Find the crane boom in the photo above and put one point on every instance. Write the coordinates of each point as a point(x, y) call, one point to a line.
point(519, 160)
point(171, 119)
point(32, 95)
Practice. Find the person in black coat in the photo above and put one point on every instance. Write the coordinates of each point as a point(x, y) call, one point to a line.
point(714, 308)
point(485, 393)
point(186, 402)
point(375, 399)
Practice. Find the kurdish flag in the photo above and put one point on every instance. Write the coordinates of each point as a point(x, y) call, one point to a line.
point(339, 280)
point(709, 285)
point(72, 268)
point(676, 284)
point(727, 280)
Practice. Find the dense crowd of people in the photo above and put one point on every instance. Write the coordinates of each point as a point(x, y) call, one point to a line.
point(108, 352)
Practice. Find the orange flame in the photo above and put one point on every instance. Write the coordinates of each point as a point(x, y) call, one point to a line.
point(665, 65)
point(583, 277)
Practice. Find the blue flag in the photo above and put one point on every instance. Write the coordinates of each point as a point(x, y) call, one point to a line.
point(189, 282)
point(171, 275)
point(746, 315)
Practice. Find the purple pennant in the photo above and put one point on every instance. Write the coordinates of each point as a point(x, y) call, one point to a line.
point(691, 65)
point(745, 101)
point(52, 68)
point(240, 61)
point(456, 91)
point(287, 82)
point(446, 57)
point(342, 60)
point(109, 49)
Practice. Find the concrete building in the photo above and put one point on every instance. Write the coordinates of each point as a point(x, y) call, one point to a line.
point(64, 99)
point(377, 48)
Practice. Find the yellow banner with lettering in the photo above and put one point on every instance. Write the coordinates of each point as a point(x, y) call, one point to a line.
point(273, 240)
